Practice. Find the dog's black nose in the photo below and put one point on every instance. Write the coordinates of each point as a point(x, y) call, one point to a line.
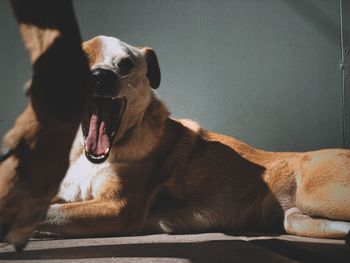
point(106, 82)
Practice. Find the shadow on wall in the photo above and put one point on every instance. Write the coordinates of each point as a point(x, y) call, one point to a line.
point(316, 17)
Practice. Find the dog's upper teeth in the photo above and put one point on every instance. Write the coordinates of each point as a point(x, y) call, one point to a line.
point(106, 151)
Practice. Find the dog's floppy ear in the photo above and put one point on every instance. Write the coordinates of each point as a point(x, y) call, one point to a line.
point(153, 71)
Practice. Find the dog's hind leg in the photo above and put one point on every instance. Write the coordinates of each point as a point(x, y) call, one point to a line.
point(323, 189)
point(296, 223)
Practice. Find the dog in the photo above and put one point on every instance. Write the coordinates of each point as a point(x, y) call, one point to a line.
point(34, 153)
point(135, 170)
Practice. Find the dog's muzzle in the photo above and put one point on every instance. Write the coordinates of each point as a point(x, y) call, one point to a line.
point(106, 82)
point(101, 124)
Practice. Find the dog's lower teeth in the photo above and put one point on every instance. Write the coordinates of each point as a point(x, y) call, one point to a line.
point(97, 157)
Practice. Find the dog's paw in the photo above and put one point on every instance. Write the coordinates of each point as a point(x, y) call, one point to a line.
point(45, 234)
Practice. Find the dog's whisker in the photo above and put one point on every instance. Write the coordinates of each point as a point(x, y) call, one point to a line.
point(128, 75)
point(134, 89)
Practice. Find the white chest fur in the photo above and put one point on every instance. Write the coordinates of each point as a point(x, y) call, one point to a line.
point(77, 185)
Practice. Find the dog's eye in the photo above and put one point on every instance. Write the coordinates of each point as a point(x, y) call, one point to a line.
point(125, 65)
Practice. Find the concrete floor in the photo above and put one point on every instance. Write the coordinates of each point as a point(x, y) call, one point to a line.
point(210, 247)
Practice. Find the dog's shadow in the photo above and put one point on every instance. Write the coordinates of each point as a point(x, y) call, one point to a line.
point(267, 250)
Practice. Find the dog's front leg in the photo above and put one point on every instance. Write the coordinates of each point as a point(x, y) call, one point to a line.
point(92, 218)
point(41, 138)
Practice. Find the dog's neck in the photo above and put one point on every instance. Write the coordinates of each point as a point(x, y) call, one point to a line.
point(141, 138)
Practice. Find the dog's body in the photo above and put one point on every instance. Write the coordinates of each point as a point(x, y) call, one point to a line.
point(166, 175)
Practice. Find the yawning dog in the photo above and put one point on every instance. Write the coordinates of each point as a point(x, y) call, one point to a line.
point(136, 170)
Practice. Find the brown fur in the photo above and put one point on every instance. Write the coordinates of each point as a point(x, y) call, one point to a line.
point(91, 50)
point(166, 175)
point(43, 134)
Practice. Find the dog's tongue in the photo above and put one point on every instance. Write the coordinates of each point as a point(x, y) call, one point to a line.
point(97, 141)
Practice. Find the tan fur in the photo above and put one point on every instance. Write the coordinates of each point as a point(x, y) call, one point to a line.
point(91, 49)
point(43, 134)
point(166, 175)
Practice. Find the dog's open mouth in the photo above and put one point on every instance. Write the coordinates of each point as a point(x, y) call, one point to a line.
point(101, 126)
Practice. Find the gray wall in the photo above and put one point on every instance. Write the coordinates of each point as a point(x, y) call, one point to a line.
point(266, 72)
point(346, 68)
point(14, 69)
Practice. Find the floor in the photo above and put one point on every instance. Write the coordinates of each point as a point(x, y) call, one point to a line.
point(210, 247)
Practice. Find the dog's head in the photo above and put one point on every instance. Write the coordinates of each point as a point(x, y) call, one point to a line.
point(124, 77)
